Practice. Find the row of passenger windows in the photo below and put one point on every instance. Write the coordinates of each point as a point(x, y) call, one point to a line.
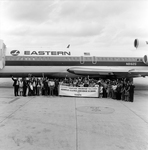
point(21, 58)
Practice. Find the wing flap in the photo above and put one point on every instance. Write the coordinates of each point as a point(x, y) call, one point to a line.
point(138, 73)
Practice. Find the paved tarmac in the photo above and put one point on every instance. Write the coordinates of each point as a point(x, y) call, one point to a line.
point(68, 123)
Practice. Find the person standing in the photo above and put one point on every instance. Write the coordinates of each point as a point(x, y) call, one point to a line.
point(127, 88)
point(38, 87)
point(16, 86)
point(52, 86)
point(104, 89)
point(45, 86)
point(131, 92)
point(34, 86)
point(42, 86)
point(24, 86)
point(49, 87)
point(30, 89)
point(97, 85)
point(122, 92)
point(21, 87)
point(57, 87)
point(118, 90)
point(114, 87)
point(109, 90)
point(101, 90)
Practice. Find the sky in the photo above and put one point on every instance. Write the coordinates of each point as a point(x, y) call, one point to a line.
point(107, 27)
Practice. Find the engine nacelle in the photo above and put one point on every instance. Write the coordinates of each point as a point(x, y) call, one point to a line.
point(2, 54)
point(145, 59)
point(140, 43)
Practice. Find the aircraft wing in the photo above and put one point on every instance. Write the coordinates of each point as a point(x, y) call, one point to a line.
point(138, 72)
point(116, 71)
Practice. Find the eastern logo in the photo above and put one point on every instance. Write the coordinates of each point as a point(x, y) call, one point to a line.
point(15, 52)
point(46, 53)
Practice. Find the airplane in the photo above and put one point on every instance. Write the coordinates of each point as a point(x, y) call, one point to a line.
point(61, 63)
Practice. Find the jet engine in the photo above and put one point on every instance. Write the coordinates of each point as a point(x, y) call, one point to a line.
point(140, 43)
point(145, 59)
point(2, 54)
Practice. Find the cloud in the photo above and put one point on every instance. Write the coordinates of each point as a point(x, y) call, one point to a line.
point(29, 11)
point(86, 24)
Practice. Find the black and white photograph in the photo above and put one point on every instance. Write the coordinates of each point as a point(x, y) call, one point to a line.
point(73, 75)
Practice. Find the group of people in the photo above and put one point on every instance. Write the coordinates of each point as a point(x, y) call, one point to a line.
point(35, 86)
point(120, 89)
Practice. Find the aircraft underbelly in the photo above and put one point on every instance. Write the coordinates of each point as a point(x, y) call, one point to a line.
point(77, 70)
point(64, 68)
point(33, 69)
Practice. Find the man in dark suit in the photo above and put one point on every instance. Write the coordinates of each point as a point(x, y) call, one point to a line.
point(16, 86)
point(25, 84)
point(131, 92)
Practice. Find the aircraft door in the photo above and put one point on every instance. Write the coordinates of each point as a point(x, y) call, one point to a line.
point(81, 60)
point(94, 60)
point(2, 54)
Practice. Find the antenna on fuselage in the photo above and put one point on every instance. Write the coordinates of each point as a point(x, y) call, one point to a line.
point(68, 45)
